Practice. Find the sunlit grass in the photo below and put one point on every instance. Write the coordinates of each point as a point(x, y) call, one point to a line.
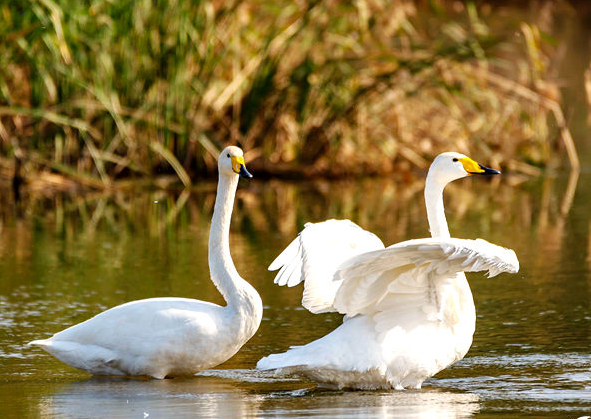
point(107, 90)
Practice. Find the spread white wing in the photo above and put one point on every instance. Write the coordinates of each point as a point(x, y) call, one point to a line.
point(315, 255)
point(411, 274)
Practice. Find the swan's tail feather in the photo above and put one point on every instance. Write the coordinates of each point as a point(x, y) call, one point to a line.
point(267, 363)
point(92, 358)
point(296, 356)
point(40, 342)
point(274, 361)
point(52, 346)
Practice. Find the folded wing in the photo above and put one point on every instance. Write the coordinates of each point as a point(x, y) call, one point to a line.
point(315, 255)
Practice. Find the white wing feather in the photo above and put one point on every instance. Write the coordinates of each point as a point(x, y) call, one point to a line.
point(314, 256)
point(371, 282)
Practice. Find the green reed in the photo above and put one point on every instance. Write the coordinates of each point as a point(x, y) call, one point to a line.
point(99, 91)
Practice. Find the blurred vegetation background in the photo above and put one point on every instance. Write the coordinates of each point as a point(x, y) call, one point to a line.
point(99, 92)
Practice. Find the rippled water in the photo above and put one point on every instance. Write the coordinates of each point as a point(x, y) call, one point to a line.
point(65, 259)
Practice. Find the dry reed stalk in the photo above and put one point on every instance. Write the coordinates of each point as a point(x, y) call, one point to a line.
point(551, 105)
point(328, 88)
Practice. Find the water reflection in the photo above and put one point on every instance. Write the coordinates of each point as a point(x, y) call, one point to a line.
point(212, 396)
point(71, 257)
point(525, 382)
point(123, 398)
point(392, 207)
point(426, 404)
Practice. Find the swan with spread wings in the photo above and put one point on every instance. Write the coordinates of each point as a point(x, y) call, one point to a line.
point(409, 311)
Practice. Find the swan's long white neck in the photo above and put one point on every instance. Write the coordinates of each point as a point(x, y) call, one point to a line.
point(221, 267)
point(434, 203)
point(438, 226)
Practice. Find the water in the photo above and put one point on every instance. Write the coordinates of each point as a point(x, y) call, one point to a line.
point(65, 258)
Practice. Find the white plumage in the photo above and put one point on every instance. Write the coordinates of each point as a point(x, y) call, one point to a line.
point(162, 337)
point(310, 253)
point(409, 311)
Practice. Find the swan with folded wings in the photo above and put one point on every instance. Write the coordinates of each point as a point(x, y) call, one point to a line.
point(166, 336)
point(408, 308)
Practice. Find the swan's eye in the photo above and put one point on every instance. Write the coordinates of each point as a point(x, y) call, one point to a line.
point(229, 155)
point(455, 159)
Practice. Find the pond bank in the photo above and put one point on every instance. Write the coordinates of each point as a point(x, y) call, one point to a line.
point(316, 89)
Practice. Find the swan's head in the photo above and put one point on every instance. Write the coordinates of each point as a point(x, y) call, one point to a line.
point(231, 162)
point(450, 166)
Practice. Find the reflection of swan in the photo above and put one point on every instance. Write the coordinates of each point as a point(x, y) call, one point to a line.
point(409, 309)
point(221, 397)
point(172, 336)
point(106, 397)
point(425, 404)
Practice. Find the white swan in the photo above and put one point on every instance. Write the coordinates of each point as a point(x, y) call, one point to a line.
point(165, 337)
point(409, 310)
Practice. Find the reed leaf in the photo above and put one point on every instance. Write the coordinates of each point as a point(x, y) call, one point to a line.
point(310, 87)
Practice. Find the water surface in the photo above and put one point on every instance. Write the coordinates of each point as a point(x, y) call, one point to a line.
point(64, 259)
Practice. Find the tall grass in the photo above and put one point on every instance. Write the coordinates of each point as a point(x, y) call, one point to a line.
point(102, 90)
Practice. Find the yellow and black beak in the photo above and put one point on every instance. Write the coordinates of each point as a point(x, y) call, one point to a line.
point(239, 167)
point(475, 168)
